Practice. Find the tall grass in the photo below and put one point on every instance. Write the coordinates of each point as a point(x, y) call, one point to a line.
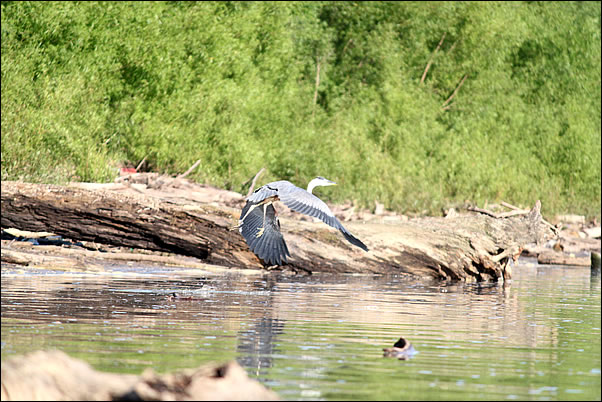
point(92, 85)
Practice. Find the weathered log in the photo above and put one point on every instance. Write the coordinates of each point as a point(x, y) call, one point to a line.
point(464, 247)
point(135, 221)
point(556, 258)
point(82, 259)
point(593, 233)
point(47, 376)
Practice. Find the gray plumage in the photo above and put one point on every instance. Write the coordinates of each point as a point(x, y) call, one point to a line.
point(269, 245)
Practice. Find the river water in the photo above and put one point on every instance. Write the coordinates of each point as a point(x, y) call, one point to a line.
point(321, 337)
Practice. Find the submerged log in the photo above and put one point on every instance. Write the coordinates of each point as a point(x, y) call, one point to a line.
point(53, 375)
point(464, 247)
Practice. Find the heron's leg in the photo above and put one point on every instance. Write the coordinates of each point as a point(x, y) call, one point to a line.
point(249, 211)
point(240, 221)
point(265, 204)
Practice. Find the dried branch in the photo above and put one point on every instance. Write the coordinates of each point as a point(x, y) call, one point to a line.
point(500, 215)
point(482, 211)
point(254, 180)
point(507, 205)
point(428, 65)
point(509, 252)
point(109, 139)
point(345, 47)
point(140, 164)
point(515, 211)
point(186, 173)
point(453, 46)
point(455, 91)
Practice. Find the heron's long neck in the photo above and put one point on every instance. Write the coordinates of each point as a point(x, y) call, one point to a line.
point(311, 185)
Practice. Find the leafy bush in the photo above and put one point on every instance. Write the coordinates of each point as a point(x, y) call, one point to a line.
point(89, 86)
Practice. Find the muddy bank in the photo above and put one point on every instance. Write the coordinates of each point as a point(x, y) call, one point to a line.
point(172, 221)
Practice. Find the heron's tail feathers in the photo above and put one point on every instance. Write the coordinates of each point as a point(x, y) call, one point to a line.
point(271, 249)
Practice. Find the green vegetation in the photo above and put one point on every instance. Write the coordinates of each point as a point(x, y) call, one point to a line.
point(89, 86)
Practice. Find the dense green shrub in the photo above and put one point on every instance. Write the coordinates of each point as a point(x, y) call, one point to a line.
point(87, 86)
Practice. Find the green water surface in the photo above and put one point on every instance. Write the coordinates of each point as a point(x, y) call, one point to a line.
point(321, 337)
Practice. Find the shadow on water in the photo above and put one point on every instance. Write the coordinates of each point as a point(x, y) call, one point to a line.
point(321, 337)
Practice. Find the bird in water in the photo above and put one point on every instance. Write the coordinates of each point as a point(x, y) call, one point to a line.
point(259, 224)
point(402, 350)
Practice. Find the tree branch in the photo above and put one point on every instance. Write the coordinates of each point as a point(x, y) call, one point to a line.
point(254, 180)
point(455, 91)
point(140, 164)
point(428, 65)
point(186, 173)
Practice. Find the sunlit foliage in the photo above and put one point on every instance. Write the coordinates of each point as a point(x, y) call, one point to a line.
point(87, 86)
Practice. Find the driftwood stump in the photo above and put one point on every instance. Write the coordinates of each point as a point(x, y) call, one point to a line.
point(53, 375)
point(473, 247)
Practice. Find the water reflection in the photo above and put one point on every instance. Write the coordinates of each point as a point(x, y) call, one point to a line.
point(257, 344)
point(321, 337)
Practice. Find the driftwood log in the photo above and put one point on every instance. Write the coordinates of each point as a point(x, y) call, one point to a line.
point(472, 247)
point(54, 376)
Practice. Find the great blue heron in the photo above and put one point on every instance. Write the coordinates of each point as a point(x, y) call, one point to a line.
point(259, 224)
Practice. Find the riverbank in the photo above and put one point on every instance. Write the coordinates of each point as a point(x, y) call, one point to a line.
point(573, 242)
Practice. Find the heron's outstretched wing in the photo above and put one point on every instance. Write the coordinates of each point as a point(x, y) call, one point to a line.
point(270, 245)
point(302, 201)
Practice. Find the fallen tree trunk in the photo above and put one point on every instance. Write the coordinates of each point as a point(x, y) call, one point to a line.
point(553, 257)
point(133, 221)
point(53, 375)
point(465, 247)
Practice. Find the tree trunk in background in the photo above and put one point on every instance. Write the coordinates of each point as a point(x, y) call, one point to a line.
point(467, 247)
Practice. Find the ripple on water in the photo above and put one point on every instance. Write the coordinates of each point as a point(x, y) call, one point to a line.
point(321, 337)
